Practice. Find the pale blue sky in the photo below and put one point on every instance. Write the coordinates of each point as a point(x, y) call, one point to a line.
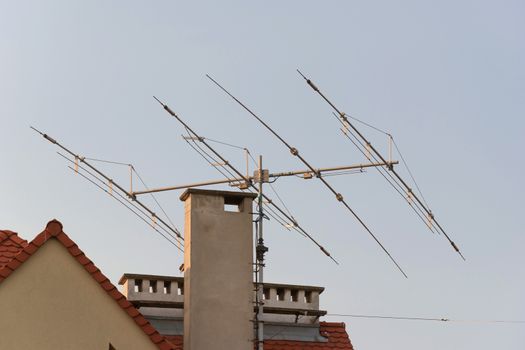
point(445, 78)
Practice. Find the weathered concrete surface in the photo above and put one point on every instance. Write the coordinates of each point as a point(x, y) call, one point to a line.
point(218, 256)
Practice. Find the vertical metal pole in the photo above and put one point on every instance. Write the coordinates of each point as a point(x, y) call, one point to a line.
point(260, 250)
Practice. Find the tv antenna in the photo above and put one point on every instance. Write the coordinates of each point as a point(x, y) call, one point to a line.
point(357, 138)
point(235, 177)
point(82, 166)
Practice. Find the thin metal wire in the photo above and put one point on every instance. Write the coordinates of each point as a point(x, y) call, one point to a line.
point(280, 199)
point(225, 143)
point(409, 172)
point(107, 161)
point(423, 318)
point(369, 125)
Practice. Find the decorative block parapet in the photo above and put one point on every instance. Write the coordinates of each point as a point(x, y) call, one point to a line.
point(292, 296)
point(153, 288)
point(283, 303)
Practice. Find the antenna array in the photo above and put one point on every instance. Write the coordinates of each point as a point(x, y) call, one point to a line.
point(226, 164)
point(295, 152)
point(360, 142)
point(234, 177)
point(109, 186)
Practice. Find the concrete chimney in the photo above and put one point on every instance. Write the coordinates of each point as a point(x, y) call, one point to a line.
point(218, 270)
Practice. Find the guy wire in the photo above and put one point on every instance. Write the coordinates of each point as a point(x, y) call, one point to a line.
point(423, 318)
point(408, 169)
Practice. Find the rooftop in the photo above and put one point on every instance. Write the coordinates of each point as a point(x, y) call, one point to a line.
point(334, 332)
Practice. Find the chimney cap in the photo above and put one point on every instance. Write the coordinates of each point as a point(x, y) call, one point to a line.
point(226, 194)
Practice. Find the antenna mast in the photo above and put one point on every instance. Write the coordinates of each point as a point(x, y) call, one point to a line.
point(260, 250)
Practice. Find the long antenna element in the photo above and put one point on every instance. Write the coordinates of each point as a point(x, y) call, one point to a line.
point(240, 175)
point(110, 181)
point(345, 119)
point(295, 152)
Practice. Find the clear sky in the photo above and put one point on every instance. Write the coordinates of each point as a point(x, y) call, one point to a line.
point(445, 78)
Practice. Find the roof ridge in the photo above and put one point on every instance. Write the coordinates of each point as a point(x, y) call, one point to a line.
point(54, 230)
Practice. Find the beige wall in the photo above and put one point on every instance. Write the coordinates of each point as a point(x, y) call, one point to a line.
point(218, 287)
point(52, 302)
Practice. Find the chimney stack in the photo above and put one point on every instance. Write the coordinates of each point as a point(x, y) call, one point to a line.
point(218, 258)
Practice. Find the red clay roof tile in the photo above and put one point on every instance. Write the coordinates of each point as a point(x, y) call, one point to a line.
point(54, 231)
point(90, 267)
point(10, 246)
point(335, 332)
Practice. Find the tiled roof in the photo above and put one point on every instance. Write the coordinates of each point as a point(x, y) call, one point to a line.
point(10, 245)
point(335, 332)
point(54, 231)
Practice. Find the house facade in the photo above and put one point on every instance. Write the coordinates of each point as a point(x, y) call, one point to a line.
point(53, 297)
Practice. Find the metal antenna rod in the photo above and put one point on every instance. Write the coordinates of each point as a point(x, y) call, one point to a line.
point(237, 181)
point(240, 175)
point(295, 152)
point(120, 188)
point(345, 118)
